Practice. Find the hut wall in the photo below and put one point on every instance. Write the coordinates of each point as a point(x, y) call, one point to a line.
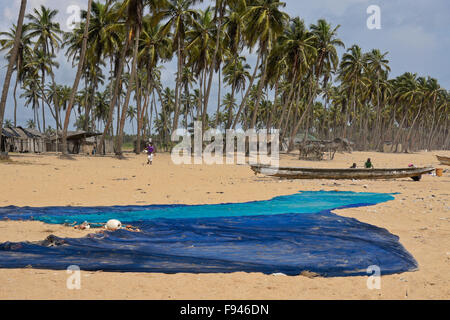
point(87, 148)
point(39, 145)
point(109, 145)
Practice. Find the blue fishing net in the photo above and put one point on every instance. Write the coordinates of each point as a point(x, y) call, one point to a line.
point(287, 234)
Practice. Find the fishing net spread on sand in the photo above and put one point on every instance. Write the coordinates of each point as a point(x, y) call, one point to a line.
point(288, 234)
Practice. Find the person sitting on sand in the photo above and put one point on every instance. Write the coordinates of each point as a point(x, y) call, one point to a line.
point(150, 153)
point(353, 166)
point(368, 164)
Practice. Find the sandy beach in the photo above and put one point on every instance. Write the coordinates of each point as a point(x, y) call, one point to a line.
point(419, 215)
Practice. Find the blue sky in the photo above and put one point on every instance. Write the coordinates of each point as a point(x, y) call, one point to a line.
point(415, 33)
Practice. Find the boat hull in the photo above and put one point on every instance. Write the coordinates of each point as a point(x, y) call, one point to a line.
point(337, 174)
point(444, 160)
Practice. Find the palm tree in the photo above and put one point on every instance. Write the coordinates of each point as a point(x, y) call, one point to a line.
point(131, 115)
point(103, 38)
point(154, 46)
point(296, 47)
point(12, 62)
point(43, 63)
point(378, 66)
point(77, 79)
point(438, 99)
point(43, 28)
point(8, 123)
point(265, 22)
point(229, 104)
point(31, 124)
point(200, 46)
point(235, 75)
point(47, 34)
point(135, 10)
point(408, 93)
point(296, 66)
point(32, 95)
point(101, 105)
point(219, 12)
point(351, 73)
point(7, 43)
point(132, 8)
point(325, 61)
point(187, 81)
point(162, 123)
point(326, 44)
point(180, 16)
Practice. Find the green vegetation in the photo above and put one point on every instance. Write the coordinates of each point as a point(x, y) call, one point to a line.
point(298, 84)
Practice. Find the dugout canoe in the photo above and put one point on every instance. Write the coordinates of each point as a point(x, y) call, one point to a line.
point(336, 174)
point(444, 160)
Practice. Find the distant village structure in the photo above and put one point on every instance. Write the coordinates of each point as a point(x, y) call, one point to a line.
point(25, 140)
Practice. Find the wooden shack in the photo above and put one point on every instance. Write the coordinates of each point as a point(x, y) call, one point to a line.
point(38, 140)
point(78, 142)
point(22, 140)
point(8, 138)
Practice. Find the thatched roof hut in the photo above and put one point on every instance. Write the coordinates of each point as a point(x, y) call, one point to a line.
point(23, 140)
point(77, 142)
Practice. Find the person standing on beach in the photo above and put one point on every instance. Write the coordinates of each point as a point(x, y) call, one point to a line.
point(150, 153)
point(368, 164)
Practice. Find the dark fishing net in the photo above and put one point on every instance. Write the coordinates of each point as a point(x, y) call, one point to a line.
point(286, 235)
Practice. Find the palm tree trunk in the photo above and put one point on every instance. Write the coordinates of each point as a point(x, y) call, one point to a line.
point(36, 116)
point(290, 95)
point(178, 86)
point(288, 100)
point(295, 102)
point(200, 96)
point(152, 106)
point(187, 106)
point(43, 100)
point(205, 105)
point(116, 91)
point(218, 100)
point(297, 127)
point(272, 112)
point(230, 112)
point(433, 133)
point(77, 80)
point(11, 63)
point(133, 77)
point(15, 100)
point(214, 58)
point(139, 117)
point(412, 127)
point(247, 93)
point(258, 96)
point(397, 136)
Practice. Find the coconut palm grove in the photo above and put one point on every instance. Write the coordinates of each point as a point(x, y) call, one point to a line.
point(299, 83)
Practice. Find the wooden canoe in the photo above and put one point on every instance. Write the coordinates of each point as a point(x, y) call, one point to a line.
point(444, 160)
point(335, 174)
